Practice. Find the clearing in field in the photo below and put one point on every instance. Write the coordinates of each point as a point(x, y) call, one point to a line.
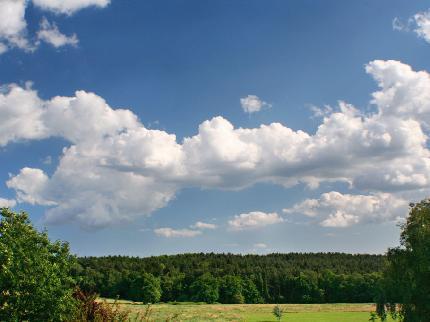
point(253, 312)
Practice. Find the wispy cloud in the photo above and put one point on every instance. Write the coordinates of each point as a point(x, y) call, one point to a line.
point(260, 245)
point(418, 23)
point(50, 34)
point(203, 225)
point(170, 232)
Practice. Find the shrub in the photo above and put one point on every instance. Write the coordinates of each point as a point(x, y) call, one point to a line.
point(89, 309)
point(278, 312)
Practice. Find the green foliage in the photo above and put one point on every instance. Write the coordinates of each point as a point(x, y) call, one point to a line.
point(231, 290)
point(172, 285)
point(305, 287)
point(35, 282)
point(145, 288)
point(205, 289)
point(373, 317)
point(250, 292)
point(407, 278)
point(278, 312)
point(273, 278)
point(151, 288)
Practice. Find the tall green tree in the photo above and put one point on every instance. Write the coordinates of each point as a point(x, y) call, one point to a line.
point(250, 292)
point(151, 288)
point(231, 290)
point(172, 286)
point(35, 282)
point(205, 289)
point(407, 278)
point(146, 288)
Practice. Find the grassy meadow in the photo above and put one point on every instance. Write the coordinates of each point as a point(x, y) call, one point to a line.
point(252, 312)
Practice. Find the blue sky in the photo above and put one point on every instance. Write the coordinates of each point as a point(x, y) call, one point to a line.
point(326, 176)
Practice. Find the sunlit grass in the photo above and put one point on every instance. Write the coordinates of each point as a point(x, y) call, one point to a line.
point(254, 312)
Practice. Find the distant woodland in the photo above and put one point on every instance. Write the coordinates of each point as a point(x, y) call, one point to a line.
point(229, 278)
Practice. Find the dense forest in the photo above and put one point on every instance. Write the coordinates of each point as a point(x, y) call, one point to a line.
point(228, 278)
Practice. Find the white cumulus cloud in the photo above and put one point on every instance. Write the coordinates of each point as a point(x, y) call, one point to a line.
point(340, 219)
point(422, 20)
point(30, 185)
point(20, 115)
point(334, 209)
point(252, 103)
point(254, 219)
point(170, 232)
point(13, 25)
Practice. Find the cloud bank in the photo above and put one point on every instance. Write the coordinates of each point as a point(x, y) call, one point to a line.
point(115, 169)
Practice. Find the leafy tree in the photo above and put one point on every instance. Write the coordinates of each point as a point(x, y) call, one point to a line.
point(146, 288)
point(231, 290)
point(172, 286)
point(250, 292)
point(205, 289)
point(151, 288)
point(304, 288)
point(407, 278)
point(35, 284)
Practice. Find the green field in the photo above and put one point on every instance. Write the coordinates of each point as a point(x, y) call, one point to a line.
point(253, 312)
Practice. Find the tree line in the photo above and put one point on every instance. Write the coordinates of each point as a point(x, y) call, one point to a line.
point(230, 278)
